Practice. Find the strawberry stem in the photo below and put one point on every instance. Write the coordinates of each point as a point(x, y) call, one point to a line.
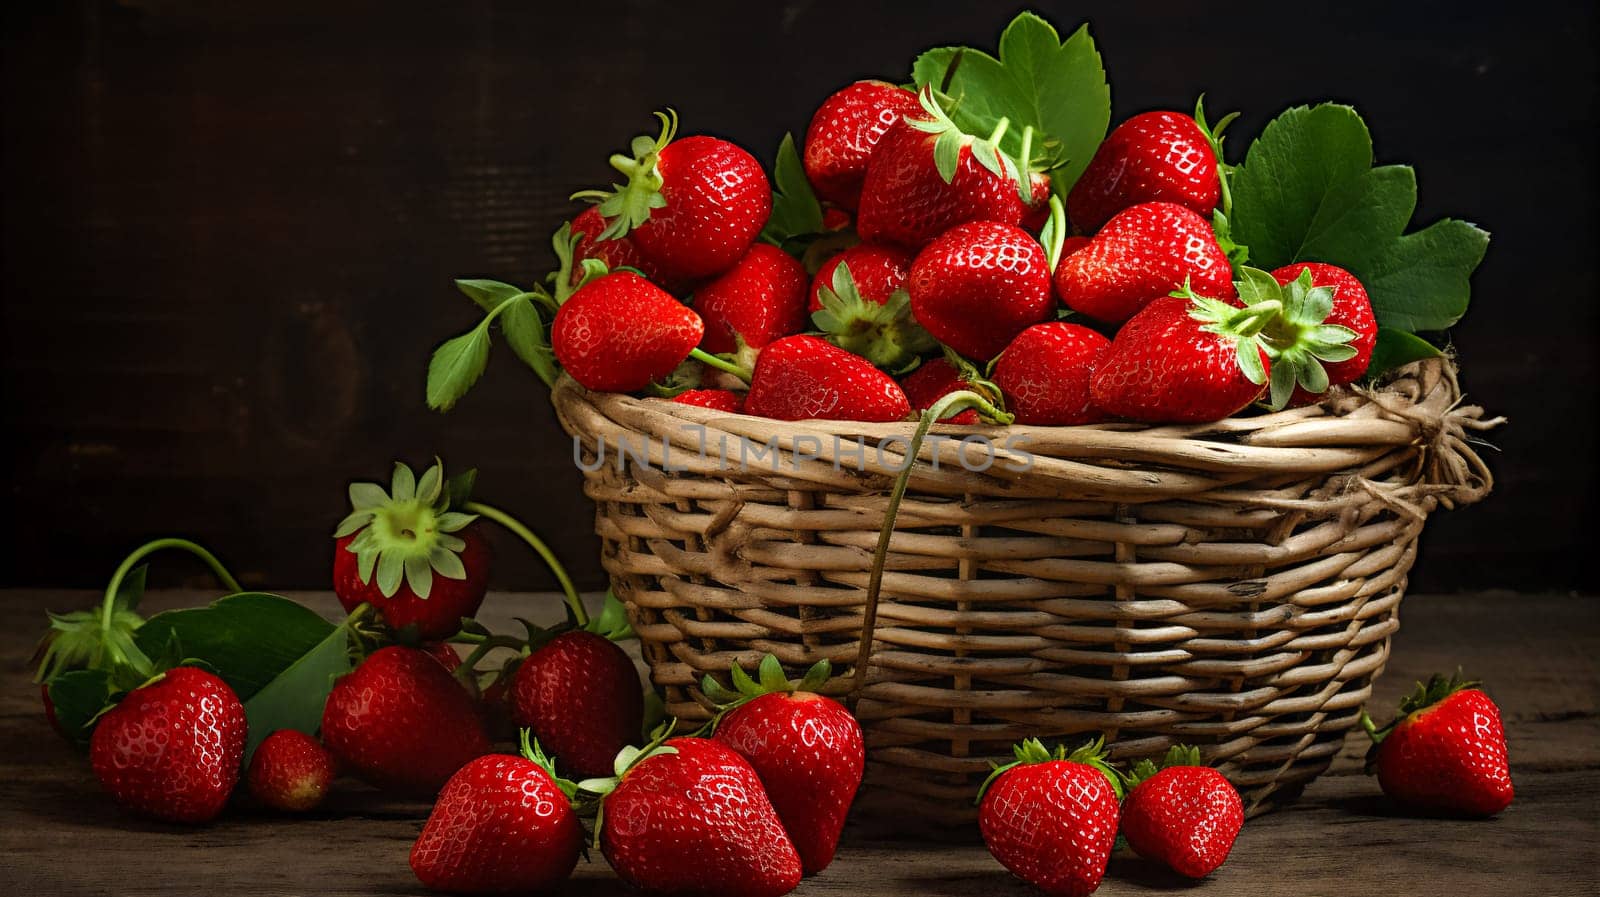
point(721, 364)
point(580, 614)
point(1251, 319)
point(869, 620)
point(149, 548)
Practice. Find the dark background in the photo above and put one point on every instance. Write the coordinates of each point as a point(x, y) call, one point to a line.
point(229, 236)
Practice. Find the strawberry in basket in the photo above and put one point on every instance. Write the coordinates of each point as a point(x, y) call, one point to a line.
point(1045, 374)
point(979, 284)
point(1152, 157)
point(927, 175)
point(806, 748)
point(843, 132)
point(1143, 253)
point(691, 206)
point(859, 302)
point(760, 299)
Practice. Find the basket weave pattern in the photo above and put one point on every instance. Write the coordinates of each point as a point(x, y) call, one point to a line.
point(1230, 585)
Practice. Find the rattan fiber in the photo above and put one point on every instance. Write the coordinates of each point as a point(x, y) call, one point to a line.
point(1231, 585)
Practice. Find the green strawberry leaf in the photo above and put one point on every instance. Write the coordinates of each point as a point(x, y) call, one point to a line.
point(525, 334)
point(1057, 88)
point(1395, 348)
point(294, 698)
point(79, 696)
point(456, 365)
point(1307, 191)
point(487, 294)
point(795, 209)
point(249, 638)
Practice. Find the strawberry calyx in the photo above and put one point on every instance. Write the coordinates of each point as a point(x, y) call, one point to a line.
point(885, 334)
point(1423, 698)
point(532, 751)
point(563, 282)
point(683, 378)
point(626, 760)
point(950, 140)
point(407, 533)
point(1242, 326)
point(1032, 750)
point(770, 679)
point(628, 205)
point(1177, 755)
point(1297, 339)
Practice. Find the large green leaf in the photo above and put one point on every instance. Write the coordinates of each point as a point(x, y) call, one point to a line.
point(295, 697)
point(78, 697)
point(1307, 191)
point(1395, 348)
point(249, 638)
point(1059, 88)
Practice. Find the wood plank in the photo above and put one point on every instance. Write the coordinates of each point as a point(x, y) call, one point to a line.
point(60, 835)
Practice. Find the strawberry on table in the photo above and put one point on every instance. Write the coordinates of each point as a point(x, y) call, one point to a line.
point(807, 749)
point(692, 206)
point(401, 722)
point(805, 378)
point(760, 299)
point(619, 332)
point(1143, 253)
point(171, 749)
point(1445, 751)
point(694, 820)
point(914, 192)
point(843, 132)
point(1051, 818)
point(502, 824)
point(290, 771)
point(1351, 308)
point(1046, 372)
point(978, 285)
point(1182, 814)
point(581, 696)
point(1152, 157)
point(409, 556)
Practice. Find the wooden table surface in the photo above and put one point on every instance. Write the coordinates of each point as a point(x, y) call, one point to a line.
point(59, 835)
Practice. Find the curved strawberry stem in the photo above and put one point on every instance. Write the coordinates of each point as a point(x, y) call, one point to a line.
point(580, 614)
point(149, 548)
point(721, 364)
point(944, 407)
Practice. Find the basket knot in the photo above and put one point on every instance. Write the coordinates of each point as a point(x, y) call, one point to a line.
point(1449, 470)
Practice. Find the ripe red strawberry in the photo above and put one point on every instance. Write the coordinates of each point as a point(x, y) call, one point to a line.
point(876, 270)
point(760, 299)
point(859, 304)
point(171, 749)
point(1445, 752)
point(445, 653)
point(843, 133)
point(980, 284)
point(580, 694)
point(933, 381)
point(501, 825)
point(1183, 360)
point(1184, 815)
point(617, 252)
point(290, 771)
point(1052, 819)
point(1153, 157)
point(806, 748)
point(1351, 308)
point(692, 206)
point(1046, 372)
point(409, 556)
point(619, 332)
point(836, 219)
point(804, 378)
point(696, 821)
point(715, 399)
point(908, 199)
point(402, 723)
point(1072, 243)
point(1143, 253)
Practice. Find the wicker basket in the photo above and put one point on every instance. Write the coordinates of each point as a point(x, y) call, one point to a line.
point(1231, 585)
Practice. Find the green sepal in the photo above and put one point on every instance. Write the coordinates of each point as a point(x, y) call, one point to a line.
point(885, 334)
point(407, 534)
point(77, 641)
point(796, 213)
point(626, 759)
point(770, 679)
point(1094, 754)
point(627, 205)
point(1177, 755)
point(612, 621)
point(950, 140)
point(1033, 750)
point(683, 378)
